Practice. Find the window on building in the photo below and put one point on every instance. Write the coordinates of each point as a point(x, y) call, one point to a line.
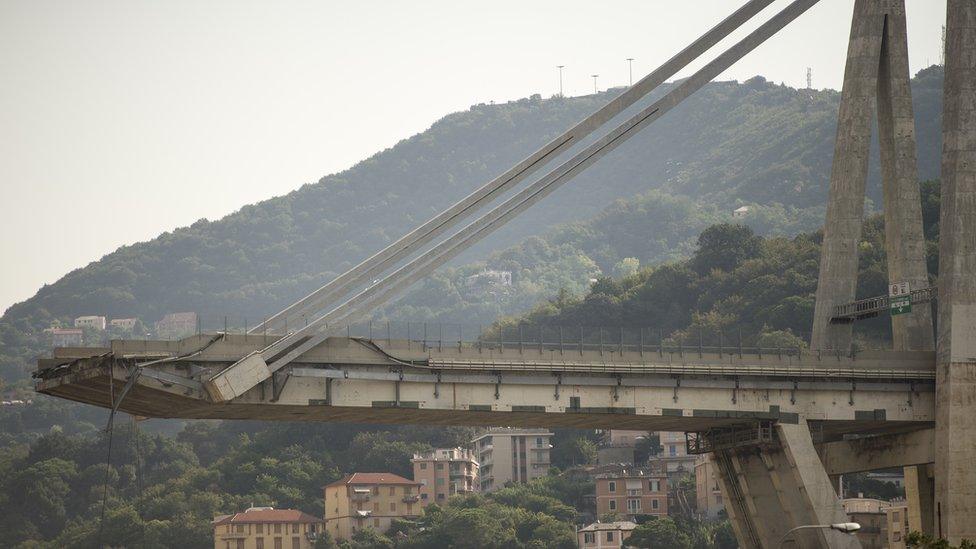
point(393, 507)
point(538, 441)
point(896, 537)
point(633, 505)
point(574, 402)
point(655, 504)
point(613, 505)
point(240, 544)
point(259, 529)
point(277, 528)
point(376, 490)
point(407, 490)
point(611, 486)
point(376, 507)
point(423, 466)
point(259, 543)
point(376, 522)
point(609, 536)
point(440, 496)
point(294, 528)
point(296, 543)
point(589, 537)
point(896, 516)
point(672, 450)
point(239, 528)
point(440, 466)
point(277, 543)
point(654, 485)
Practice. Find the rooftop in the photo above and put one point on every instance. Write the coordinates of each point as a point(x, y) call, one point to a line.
point(265, 515)
point(602, 526)
point(373, 478)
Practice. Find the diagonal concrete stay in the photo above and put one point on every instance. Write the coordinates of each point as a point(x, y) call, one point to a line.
point(876, 81)
point(772, 488)
point(955, 438)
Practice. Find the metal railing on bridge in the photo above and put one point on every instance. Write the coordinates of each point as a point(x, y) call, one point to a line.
point(873, 306)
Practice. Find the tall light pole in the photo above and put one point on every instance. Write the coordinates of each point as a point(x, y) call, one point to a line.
point(594, 82)
point(845, 527)
point(560, 67)
point(630, 63)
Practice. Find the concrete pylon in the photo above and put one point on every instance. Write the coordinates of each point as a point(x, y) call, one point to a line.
point(955, 437)
point(771, 489)
point(876, 81)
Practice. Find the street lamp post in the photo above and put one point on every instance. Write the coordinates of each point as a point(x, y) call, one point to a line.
point(630, 67)
point(560, 67)
point(845, 527)
point(594, 82)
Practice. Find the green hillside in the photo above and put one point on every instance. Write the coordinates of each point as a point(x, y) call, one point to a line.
point(751, 143)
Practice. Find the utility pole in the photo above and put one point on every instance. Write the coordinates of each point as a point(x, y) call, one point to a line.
point(594, 82)
point(809, 78)
point(630, 67)
point(560, 67)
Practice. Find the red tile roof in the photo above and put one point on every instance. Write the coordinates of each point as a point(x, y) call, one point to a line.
point(373, 478)
point(268, 515)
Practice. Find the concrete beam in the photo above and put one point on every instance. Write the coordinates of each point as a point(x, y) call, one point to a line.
point(955, 475)
point(878, 452)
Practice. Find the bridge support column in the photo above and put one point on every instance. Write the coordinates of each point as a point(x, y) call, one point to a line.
point(955, 476)
point(876, 80)
point(771, 489)
point(920, 495)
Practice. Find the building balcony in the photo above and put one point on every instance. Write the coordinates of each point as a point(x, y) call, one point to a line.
point(234, 535)
point(414, 498)
point(356, 496)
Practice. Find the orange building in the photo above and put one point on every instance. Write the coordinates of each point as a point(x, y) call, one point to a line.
point(444, 473)
point(631, 493)
point(266, 528)
point(369, 500)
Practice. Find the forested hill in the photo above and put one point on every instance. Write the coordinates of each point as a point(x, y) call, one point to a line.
point(753, 142)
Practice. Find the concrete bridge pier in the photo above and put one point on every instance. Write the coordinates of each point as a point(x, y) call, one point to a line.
point(772, 488)
point(955, 440)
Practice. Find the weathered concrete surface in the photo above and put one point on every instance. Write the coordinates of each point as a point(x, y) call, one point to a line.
point(773, 488)
point(904, 237)
point(878, 452)
point(876, 80)
point(920, 495)
point(845, 201)
point(955, 474)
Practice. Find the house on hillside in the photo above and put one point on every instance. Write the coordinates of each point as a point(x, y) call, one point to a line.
point(266, 528)
point(445, 472)
point(96, 322)
point(66, 337)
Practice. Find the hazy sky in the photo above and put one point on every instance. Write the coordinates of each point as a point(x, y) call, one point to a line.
point(123, 119)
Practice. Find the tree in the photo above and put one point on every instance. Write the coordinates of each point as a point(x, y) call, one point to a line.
point(660, 533)
point(724, 247)
point(367, 538)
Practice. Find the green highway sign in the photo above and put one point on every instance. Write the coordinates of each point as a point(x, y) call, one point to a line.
point(899, 298)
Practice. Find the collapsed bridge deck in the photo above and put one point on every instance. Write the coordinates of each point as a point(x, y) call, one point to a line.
point(478, 383)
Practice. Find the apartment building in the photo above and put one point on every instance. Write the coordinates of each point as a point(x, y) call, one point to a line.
point(604, 535)
point(444, 473)
point(266, 528)
point(124, 324)
point(631, 493)
point(511, 456)
point(674, 456)
point(619, 446)
point(897, 521)
point(707, 489)
point(369, 500)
